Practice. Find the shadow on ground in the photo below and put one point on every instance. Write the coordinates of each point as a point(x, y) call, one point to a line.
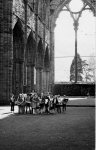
point(72, 130)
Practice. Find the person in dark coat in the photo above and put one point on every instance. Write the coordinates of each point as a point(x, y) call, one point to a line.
point(12, 102)
point(42, 103)
point(58, 104)
point(64, 102)
point(47, 100)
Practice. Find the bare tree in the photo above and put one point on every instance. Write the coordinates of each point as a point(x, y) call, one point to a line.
point(89, 69)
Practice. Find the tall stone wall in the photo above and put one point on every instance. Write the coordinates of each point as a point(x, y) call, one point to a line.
point(6, 54)
point(11, 12)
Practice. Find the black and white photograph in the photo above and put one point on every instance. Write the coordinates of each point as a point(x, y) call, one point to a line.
point(47, 74)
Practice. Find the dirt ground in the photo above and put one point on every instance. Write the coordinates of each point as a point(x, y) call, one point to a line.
point(71, 130)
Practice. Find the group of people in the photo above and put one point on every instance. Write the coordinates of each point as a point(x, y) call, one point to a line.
point(45, 103)
point(59, 103)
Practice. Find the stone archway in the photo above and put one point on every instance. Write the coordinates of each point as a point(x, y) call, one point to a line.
point(55, 8)
point(18, 50)
point(31, 55)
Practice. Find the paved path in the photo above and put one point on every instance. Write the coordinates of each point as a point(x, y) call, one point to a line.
point(5, 111)
point(72, 130)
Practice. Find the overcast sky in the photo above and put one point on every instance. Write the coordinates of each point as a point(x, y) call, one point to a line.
point(65, 41)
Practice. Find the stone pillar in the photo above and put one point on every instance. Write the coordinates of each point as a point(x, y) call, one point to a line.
point(6, 50)
point(25, 48)
point(39, 75)
point(51, 82)
point(46, 82)
point(36, 37)
point(30, 78)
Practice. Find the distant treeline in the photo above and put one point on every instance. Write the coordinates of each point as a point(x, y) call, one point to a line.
point(74, 89)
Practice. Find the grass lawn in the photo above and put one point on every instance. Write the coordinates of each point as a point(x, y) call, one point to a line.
point(71, 130)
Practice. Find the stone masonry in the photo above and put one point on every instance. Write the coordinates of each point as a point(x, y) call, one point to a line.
point(27, 45)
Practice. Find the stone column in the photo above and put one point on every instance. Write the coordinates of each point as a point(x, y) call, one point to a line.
point(6, 50)
point(30, 78)
point(51, 84)
point(46, 81)
point(43, 59)
point(25, 49)
point(36, 37)
point(39, 74)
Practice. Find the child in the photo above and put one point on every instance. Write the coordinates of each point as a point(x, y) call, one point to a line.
point(12, 102)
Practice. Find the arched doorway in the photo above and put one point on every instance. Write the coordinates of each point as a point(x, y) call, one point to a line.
point(18, 50)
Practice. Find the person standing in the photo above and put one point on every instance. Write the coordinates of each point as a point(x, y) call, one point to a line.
point(64, 102)
point(12, 102)
point(47, 100)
